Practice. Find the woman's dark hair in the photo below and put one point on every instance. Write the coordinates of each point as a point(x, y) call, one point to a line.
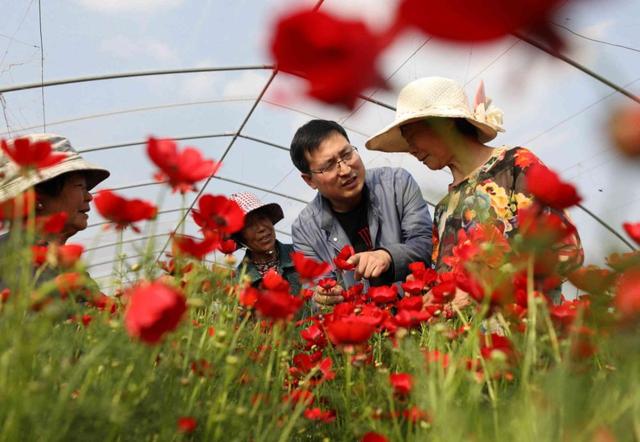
point(52, 187)
point(309, 137)
point(465, 128)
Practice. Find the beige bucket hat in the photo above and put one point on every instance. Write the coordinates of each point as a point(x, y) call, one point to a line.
point(13, 183)
point(437, 97)
point(248, 202)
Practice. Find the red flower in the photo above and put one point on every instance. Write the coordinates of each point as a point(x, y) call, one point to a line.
point(123, 212)
point(4, 295)
point(153, 310)
point(227, 246)
point(316, 414)
point(299, 396)
point(181, 169)
point(592, 279)
point(36, 155)
point(327, 283)
point(198, 250)
point(434, 356)
point(413, 287)
point(412, 318)
point(341, 259)
point(410, 303)
point(383, 294)
point(187, 424)
point(627, 298)
point(337, 57)
point(249, 296)
point(52, 223)
point(350, 330)
point(625, 130)
point(308, 268)
point(547, 187)
point(314, 336)
point(86, 320)
point(633, 230)
point(277, 305)
point(218, 213)
point(373, 437)
point(402, 383)
point(495, 343)
point(69, 254)
point(469, 20)
point(566, 312)
point(272, 280)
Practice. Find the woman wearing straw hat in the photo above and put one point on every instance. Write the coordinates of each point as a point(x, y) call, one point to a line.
point(258, 236)
point(63, 187)
point(435, 124)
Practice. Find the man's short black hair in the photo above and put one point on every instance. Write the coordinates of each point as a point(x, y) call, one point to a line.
point(307, 139)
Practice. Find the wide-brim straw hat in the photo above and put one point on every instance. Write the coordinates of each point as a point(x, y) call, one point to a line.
point(13, 182)
point(437, 97)
point(248, 202)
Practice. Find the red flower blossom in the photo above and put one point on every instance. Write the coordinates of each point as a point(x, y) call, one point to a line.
point(633, 230)
point(434, 356)
point(52, 223)
point(469, 20)
point(327, 283)
point(197, 249)
point(412, 318)
point(402, 383)
point(627, 297)
point(69, 254)
point(422, 273)
point(341, 259)
point(68, 283)
point(227, 246)
point(299, 396)
point(410, 303)
point(566, 313)
point(86, 320)
point(547, 187)
point(625, 130)
point(336, 56)
point(383, 294)
point(181, 169)
point(187, 424)
point(272, 280)
point(350, 330)
point(277, 305)
point(4, 295)
point(218, 213)
point(372, 436)
point(316, 414)
point(36, 155)
point(249, 296)
point(123, 212)
point(314, 335)
point(495, 343)
point(154, 309)
point(413, 286)
point(308, 268)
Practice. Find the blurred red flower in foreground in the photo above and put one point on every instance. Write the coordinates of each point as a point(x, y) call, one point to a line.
point(372, 436)
point(625, 130)
point(52, 223)
point(218, 213)
point(547, 187)
point(17, 207)
point(633, 230)
point(336, 56)
point(402, 383)
point(272, 280)
point(181, 169)
point(627, 297)
point(195, 248)
point(471, 20)
point(227, 246)
point(317, 414)
point(153, 309)
point(308, 268)
point(187, 424)
point(123, 212)
point(350, 330)
point(277, 305)
point(341, 259)
point(36, 155)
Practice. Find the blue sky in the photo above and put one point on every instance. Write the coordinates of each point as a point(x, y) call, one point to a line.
point(550, 107)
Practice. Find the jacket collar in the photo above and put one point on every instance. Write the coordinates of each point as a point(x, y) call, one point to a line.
point(252, 270)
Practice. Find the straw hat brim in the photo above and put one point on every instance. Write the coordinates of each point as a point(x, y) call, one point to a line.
point(390, 139)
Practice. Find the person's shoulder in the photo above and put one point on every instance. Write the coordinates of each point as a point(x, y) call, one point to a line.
point(311, 210)
point(389, 173)
point(521, 157)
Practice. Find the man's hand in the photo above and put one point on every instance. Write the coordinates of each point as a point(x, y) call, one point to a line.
point(370, 264)
point(329, 297)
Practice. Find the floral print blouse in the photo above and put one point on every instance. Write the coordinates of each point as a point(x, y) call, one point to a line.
point(492, 193)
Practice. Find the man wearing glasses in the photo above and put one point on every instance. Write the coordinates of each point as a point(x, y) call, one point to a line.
point(380, 212)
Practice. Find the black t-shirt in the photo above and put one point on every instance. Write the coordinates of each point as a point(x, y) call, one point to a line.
point(355, 224)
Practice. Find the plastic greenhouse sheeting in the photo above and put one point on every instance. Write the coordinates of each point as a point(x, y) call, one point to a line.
point(550, 107)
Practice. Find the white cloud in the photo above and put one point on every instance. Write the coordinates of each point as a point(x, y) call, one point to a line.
point(247, 84)
point(198, 86)
point(123, 47)
point(117, 6)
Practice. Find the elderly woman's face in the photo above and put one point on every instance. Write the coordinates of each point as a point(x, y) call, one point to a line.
point(430, 142)
point(258, 232)
point(73, 199)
